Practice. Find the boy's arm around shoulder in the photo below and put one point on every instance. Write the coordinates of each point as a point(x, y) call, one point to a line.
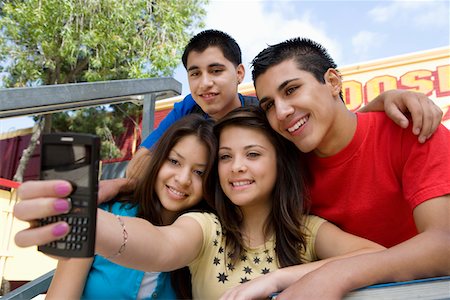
point(425, 255)
point(425, 114)
point(108, 189)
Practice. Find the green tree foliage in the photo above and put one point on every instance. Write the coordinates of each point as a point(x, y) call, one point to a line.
point(67, 41)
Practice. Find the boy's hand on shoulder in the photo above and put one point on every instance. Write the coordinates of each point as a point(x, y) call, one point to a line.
point(425, 114)
point(109, 189)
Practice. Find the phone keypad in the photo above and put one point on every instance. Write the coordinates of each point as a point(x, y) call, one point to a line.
point(77, 236)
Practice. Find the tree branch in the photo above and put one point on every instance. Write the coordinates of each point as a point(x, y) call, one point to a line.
point(26, 154)
point(81, 65)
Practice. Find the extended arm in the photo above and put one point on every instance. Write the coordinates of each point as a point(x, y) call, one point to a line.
point(69, 279)
point(148, 247)
point(331, 244)
point(425, 255)
point(425, 114)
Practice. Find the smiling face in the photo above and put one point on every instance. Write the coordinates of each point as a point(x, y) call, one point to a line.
point(300, 108)
point(179, 181)
point(246, 166)
point(213, 81)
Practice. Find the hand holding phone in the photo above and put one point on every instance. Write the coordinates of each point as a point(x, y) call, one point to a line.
point(73, 157)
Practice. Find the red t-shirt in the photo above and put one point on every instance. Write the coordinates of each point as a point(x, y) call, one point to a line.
point(371, 187)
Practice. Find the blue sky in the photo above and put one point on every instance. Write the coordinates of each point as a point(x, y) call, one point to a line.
point(352, 31)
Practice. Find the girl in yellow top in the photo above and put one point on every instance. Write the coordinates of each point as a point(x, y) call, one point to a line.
point(260, 227)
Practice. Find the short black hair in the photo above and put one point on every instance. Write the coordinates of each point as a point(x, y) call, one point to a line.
point(214, 38)
point(309, 56)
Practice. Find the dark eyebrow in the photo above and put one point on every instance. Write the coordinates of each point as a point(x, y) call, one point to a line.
point(178, 154)
point(183, 158)
point(192, 68)
point(209, 66)
point(245, 147)
point(261, 101)
point(280, 88)
point(285, 83)
point(216, 65)
point(251, 146)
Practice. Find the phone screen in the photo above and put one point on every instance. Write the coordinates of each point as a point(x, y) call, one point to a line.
point(68, 162)
point(73, 157)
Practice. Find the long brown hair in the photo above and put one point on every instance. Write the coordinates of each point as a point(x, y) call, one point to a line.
point(286, 218)
point(145, 197)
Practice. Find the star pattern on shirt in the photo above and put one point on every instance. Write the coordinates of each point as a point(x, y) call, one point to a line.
point(239, 267)
point(244, 280)
point(247, 270)
point(216, 261)
point(222, 277)
point(230, 267)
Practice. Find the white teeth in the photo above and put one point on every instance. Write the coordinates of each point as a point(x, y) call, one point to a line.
point(176, 192)
point(241, 183)
point(298, 124)
point(208, 95)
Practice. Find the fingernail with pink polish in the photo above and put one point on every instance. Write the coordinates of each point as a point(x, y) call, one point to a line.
point(60, 229)
point(61, 205)
point(63, 189)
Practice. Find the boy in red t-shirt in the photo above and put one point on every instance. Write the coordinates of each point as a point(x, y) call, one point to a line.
point(368, 176)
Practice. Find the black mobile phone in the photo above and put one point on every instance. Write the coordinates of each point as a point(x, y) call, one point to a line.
point(73, 157)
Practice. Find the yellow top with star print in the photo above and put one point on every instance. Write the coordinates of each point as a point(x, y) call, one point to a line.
point(212, 270)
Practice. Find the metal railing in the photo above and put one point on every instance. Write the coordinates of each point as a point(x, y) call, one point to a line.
point(52, 98)
point(31, 289)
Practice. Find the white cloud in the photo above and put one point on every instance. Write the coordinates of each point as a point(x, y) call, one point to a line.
point(364, 42)
point(430, 12)
point(438, 16)
point(382, 14)
point(254, 28)
point(255, 24)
